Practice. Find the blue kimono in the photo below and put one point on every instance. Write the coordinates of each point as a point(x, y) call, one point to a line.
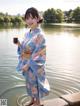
point(36, 83)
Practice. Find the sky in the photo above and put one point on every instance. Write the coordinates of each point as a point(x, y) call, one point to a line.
point(14, 7)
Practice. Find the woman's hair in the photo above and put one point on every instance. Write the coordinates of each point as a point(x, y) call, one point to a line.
point(34, 13)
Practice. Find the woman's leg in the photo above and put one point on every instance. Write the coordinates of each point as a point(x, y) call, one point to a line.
point(33, 89)
point(31, 102)
point(28, 88)
point(36, 102)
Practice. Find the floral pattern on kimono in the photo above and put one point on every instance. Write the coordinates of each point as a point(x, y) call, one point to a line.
point(36, 82)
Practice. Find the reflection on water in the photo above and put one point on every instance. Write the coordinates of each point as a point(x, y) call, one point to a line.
point(57, 29)
point(62, 65)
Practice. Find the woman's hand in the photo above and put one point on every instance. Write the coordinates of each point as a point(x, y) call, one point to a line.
point(18, 43)
point(25, 67)
point(25, 55)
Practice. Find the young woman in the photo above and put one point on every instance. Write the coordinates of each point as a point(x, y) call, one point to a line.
point(32, 57)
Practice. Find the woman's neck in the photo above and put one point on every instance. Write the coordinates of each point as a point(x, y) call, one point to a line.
point(33, 28)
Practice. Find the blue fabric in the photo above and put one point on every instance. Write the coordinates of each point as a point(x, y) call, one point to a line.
point(36, 83)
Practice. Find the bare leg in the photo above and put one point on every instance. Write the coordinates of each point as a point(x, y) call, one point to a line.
point(31, 102)
point(37, 103)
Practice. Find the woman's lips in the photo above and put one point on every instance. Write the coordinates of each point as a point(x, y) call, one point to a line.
point(31, 24)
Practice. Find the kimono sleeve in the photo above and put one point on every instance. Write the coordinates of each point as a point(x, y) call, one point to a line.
point(19, 50)
point(37, 61)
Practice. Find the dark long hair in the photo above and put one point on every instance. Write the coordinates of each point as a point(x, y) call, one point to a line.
point(34, 12)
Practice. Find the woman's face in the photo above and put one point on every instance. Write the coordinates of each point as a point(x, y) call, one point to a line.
point(32, 22)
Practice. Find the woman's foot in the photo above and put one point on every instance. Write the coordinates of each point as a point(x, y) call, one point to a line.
point(31, 102)
point(37, 103)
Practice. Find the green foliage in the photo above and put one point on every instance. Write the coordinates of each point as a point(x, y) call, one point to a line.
point(1, 19)
point(59, 16)
point(50, 16)
point(53, 16)
point(6, 20)
point(68, 16)
point(76, 15)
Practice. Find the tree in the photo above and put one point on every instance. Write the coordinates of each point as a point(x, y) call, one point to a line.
point(1, 19)
point(59, 15)
point(68, 16)
point(76, 15)
point(53, 16)
point(17, 20)
point(7, 19)
point(49, 16)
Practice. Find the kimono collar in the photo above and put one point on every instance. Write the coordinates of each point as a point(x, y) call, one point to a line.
point(34, 31)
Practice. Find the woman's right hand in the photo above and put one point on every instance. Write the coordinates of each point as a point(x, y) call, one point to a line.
point(18, 43)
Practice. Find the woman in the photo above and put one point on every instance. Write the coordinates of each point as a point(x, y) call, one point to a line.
point(32, 57)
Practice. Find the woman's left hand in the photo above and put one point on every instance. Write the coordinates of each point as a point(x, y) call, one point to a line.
point(25, 67)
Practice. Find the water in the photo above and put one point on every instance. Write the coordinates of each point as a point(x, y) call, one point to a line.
point(62, 65)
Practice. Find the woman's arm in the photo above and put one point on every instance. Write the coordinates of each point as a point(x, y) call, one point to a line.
point(19, 49)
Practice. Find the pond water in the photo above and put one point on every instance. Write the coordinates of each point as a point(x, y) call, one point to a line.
point(62, 64)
